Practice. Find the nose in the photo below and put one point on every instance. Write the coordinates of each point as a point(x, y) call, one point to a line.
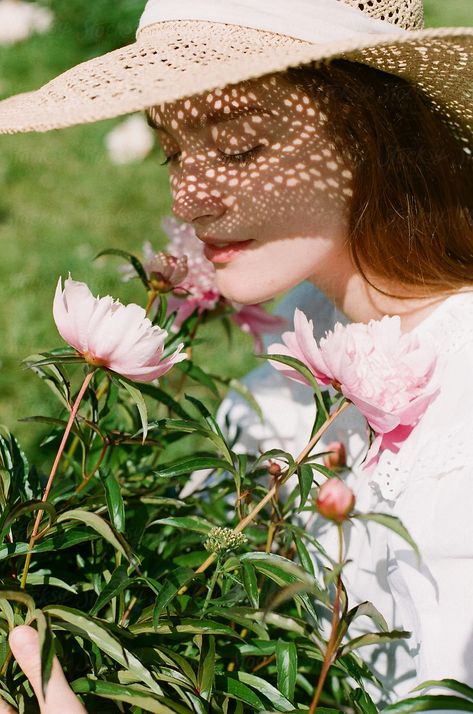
point(196, 203)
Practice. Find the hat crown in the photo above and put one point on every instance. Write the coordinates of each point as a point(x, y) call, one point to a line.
point(408, 14)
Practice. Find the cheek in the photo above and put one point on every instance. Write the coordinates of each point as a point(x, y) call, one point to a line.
point(280, 264)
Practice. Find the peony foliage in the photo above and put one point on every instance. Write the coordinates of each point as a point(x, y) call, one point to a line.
point(220, 602)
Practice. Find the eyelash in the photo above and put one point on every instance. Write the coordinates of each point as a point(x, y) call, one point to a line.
point(243, 158)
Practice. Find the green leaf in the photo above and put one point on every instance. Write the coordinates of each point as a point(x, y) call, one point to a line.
point(304, 556)
point(250, 583)
point(365, 609)
point(278, 700)
point(185, 626)
point(429, 703)
point(206, 672)
point(305, 477)
point(286, 663)
point(160, 317)
point(21, 597)
point(362, 702)
point(188, 465)
point(163, 397)
point(117, 583)
point(239, 615)
point(58, 539)
point(133, 695)
point(173, 583)
point(452, 684)
point(275, 454)
point(285, 569)
point(10, 515)
point(198, 375)
point(8, 614)
point(53, 376)
point(50, 580)
point(391, 522)
point(213, 426)
point(235, 689)
point(132, 259)
point(304, 371)
point(54, 358)
point(190, 523)
point(320, 468)
point(373, 638)
point(13, 459)
point(99, 633)
point(98, 524)
point(46, 643)
point(114, 499)
point(137, 397)
point(284, 572)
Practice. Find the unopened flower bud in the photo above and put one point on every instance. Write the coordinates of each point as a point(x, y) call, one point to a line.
point(336, 458)
point(274, 469)
point(221, 540)
point(335, 500)
point(166, 272)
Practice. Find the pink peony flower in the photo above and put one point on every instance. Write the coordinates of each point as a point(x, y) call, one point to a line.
point(388, 375)
point(109, 334)
point(335, 500)
point(336, 458)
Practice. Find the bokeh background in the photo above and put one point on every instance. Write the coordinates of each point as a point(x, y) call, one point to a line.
point(62, 200)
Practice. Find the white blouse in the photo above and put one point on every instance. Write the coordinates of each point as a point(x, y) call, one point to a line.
point(428, 484)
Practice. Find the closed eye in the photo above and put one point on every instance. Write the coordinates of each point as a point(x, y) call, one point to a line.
point(243, 157)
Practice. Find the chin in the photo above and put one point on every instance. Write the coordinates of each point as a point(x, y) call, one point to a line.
point(249, 289)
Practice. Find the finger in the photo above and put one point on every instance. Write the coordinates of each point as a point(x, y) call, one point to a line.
point(5, 708)
point(24, 643)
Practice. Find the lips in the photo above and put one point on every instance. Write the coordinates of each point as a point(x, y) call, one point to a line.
point(219, 252)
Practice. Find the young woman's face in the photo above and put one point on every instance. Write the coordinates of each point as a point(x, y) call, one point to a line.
point(253, 171)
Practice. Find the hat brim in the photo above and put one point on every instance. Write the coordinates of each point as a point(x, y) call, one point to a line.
point(176, 60)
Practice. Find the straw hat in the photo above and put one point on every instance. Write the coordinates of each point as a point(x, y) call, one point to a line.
point(186, 47)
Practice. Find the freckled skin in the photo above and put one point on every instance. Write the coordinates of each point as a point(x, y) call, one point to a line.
point(253, 162)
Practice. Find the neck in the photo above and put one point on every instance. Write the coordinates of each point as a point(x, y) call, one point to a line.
point(361, 303)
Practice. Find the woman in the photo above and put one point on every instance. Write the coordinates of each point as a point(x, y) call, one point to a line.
point(355, 173)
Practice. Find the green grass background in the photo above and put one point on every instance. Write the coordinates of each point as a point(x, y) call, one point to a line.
point(62, 201)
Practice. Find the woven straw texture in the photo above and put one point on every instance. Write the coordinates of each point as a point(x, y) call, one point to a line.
point(173, 60)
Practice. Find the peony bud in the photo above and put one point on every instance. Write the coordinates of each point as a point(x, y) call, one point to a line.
point(335, 500)
point(166, 272)
point(337, 456)
point(274, 468)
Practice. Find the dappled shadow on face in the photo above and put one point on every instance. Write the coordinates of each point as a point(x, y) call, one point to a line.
point(253, 161)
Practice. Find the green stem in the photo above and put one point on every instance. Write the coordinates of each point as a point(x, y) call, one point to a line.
point(211, 588)
point(330, 652)
point(52, 474)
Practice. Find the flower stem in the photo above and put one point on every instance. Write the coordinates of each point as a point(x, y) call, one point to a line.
point(211, 588)
point(152, 295)
point(330, 652)
point(273, 491)
point(52, 474)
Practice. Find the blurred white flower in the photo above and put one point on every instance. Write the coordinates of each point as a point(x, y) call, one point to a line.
point(132, 140)
point(19, 20)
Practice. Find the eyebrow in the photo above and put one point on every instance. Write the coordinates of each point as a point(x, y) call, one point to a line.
point(212, 117)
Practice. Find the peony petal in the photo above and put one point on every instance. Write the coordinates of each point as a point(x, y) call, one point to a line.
point(72, 309)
